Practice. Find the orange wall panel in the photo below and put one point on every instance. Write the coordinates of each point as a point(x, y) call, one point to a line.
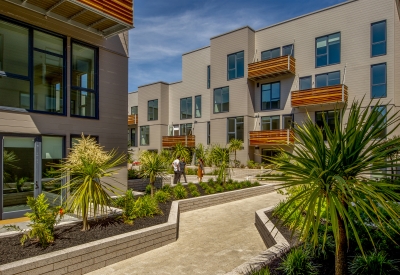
point(120, 9)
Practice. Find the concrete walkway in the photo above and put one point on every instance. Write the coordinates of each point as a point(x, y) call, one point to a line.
point(212, 240)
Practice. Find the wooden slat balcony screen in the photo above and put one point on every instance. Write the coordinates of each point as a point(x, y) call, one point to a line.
point(272, 137)
point(102, 17)
point(132, 119)
point(171, 141)
point(271, 68)
point(322, 95)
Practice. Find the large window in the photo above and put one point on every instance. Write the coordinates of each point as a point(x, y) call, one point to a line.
point(329, 117)
point(34, 77)
point(208, 133)
point(287, 121)
point(235, 65)
point(84, 94)
point(267, 154)
point(134, 110)
point(186, 129)
point(265, 55)
point(186, 108)
point(305, 82)
point(208, 76)
point(378, 38)
point(380, 112)
point(270, 123)
point(197, 106)
point(152, 110)
point(144, 135)
point(288, 50)
point(133, 137)
point(378, 80)
point(235, 128)
point(221, 100)
point(327, 50)
point(270, 96)
point(328, 79)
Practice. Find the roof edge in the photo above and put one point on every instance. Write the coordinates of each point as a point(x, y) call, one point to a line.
point(156, 82)
point(199, 49)
point(235, 30)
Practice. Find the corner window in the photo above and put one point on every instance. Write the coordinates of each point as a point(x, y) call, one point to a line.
point(236, 65)
point(186, 129)
point(378, 38)
point(305, 83)
point(265, 55)
point(328, 79)
point(380, 114)
point(197, 106)
point(208, 76)
point(235, 128)
point(152, 110)
point(287, 121)
point(221, 100)
point(208, 133)
point(270, 123)
point(378, 80)
point(186, 108)
point(328, 116)
point(144, 135)
point(288, 50)
point(327, 50)
point(134, 110)
point(270, 96)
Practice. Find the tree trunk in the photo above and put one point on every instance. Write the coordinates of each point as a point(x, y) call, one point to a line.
point(341, 256)
point(152, 188)
point(85, 220)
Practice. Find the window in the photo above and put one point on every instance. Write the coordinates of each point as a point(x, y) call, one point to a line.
point(208, 133)
point(288, 50)
point(133, 137)
point(378, 38)
point(144, 135)
point(221, 100)
point(327, 50)
point(378, 80)
point(270, 123)
point(152, 110)
point(197, 106)
point(208, 76)
point(287, 121)
point(328, 79)
point(381, 113)
point(134, 110)
point(329, 116)
point(186, 108)
point(84, 95)
point(34, 77)
point(235, 128)
point(235, 65)
point(186, 129)
point(306, 83)
point(270, 96)
point(265, 55)
point(267, 154)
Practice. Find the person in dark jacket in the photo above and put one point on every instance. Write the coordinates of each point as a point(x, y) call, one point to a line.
point(182, 166)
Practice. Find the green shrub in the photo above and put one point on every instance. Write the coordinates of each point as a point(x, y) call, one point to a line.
point(146, 206)
point(256, 183)
point(162, 196)
point(238, 185)
point(219, 188)
point(246, 183)
point(203, 185)
point(263, 271)
point(229, 181)
point(191, 171)
point(133, 174)
point(180, 192)
point(167, 188)
point(298, 261)
point(195, 193)
point(148, 189)
point(209, 190)
point(229, 187)
point(127, 204)
point(373, 263)
point(192, 188)
point(320, 251)
point(210, 181)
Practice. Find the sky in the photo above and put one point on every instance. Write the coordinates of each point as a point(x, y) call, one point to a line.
point(165, 29)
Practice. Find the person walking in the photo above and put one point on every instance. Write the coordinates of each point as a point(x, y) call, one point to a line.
point(176, 166)
point(200, 170)
point(182, 167)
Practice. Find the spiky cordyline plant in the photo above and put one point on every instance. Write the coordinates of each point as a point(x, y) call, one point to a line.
point(235, 145)
point(336, 174)
point(87, 165)
point(152, 166)
point(181, 151)
point(220, 157)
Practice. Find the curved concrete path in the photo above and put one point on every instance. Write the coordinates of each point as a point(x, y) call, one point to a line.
point(212, 240)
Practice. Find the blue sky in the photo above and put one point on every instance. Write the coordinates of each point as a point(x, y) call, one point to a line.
point(164, 30)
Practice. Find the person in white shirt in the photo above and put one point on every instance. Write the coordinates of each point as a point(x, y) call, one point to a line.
point(176, 166)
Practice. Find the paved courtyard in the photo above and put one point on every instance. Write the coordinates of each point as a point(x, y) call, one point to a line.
point(212, 240)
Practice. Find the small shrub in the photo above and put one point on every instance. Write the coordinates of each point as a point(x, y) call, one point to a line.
point(210, 181)
point(373, 263)
point(162, 196)
point(127, 204)
point(238, 185)
point(192, 188)
point(298, 261)
point(229, 187)
point(263, 271)
point(133, 174)
point(195, 193)
point(203, 185)
point(180, 192)
point(209, 190)
point(242, 166)
point(229, 181)
point(191, 171)
point(146, 206)
point(246, 183)
point(219, 188)
point(148, 190)
point(256, 183)
point(167, 188)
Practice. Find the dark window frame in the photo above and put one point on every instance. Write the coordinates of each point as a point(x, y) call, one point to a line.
point(134, 143)
point(195, 109)
point(327, 74)
point(208, 132)
point(270, 122)
point(140, 135)
point(30, 77)
point(236, 66)
point(385, 41)
point(292, 50)
point(184, 126)
point(137, 110)
point(180, 108)
point(305, 77)
point(386, 82)
point(236, 128)
point(280, 94)
point(213, 106)
point(148, 102)
point(283, 121)
point(327, 50)
point(270, 50)
point(96, 78)
point(208, 76)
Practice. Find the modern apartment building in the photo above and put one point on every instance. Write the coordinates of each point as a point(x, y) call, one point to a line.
point(252, 85)
point(63, 72)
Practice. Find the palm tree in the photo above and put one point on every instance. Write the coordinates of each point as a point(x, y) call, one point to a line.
point(180, 150)
point(87, 165)
point(200, 151)
point(220, 157)
point(152, 166)
point(234, 145)
point(336, 175)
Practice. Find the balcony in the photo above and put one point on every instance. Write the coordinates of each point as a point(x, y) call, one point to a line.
point(272, 137)
point(266, 69)
point(171, 141)
point(132, 119)
point(102, 17)
point(322, 95)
